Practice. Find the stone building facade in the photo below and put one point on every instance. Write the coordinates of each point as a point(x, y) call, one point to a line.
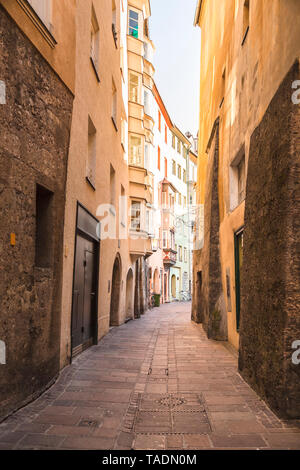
point(35, 123)
point(246, 258)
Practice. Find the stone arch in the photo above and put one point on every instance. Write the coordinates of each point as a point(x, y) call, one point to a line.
point(115, 291)
point(129, 305)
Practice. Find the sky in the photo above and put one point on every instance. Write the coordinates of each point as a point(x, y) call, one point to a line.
point(177, 60)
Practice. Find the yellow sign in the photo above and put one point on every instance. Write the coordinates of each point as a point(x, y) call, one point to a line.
point(13, 239)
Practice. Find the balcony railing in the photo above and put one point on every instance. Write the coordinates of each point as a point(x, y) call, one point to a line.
point(170, 257)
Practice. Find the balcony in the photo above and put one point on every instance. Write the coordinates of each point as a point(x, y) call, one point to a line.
point(170, 257)
point(139, 244)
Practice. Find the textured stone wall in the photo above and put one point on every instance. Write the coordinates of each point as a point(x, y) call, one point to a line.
point(35, 126)
point(211, 304)
point(270, 288)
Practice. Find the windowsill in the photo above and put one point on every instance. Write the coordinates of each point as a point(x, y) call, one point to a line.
point(95, 69)
point(38, 23)
point(136, 102)
point(245, 36)
point(233, 209)
point(89, 181)
point(133, 37)
point(114, 123)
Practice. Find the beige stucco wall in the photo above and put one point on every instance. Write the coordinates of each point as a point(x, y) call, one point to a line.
point(95, 100)
point(253, 73)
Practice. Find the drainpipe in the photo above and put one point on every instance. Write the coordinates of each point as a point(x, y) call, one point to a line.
point(188, 135)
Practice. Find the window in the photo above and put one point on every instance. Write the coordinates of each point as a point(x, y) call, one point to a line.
point(114, 22)
point(165, 239)
point(159, 121)
point(173, 141)
point(184, 199)
point(134, 88)
point(158, 158)
point(112, 186)
point(185, 255)
point(94, 42)
point(91, 162)
point(179, 172)
point(123, 207)
point(123, 133)
point(178, 146)
point(176, 249)
point(180, 254)
point(237, 180)
point(135, 216)
point(44, 227)
point(173, 167)
point(246, 20)
point(114, 105)
point(179, 199)
point(172, 240)
point(43, 9)
point(135, 151)
point(133, 24)
point(241, 180)
point(147, 103)
point(147, 159)
point(146, 50)
point(166, 134)
point(166, 168)
point(184, 176)
point(184, 152)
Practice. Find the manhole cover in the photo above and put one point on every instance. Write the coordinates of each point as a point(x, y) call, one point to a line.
point(171, 401)
point(167, 414)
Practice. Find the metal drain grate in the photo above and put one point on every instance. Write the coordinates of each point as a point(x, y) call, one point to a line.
point(168, 414)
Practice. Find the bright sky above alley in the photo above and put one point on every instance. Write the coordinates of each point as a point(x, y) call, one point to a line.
point(177, 59)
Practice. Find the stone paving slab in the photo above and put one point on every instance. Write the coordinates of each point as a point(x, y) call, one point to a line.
point(156, 383)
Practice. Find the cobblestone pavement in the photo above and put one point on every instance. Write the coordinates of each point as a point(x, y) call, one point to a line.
point(154, 383)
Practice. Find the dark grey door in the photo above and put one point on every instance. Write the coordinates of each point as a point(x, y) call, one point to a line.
point(84, 295)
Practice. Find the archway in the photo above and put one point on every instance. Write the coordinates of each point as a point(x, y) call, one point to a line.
point(115, 292)
point(173, 286)
point(129, 306)
point(156, 285)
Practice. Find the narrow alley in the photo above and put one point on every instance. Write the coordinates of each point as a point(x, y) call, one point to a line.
point(154, 383)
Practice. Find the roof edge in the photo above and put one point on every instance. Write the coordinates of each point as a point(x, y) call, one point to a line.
point(198, 13)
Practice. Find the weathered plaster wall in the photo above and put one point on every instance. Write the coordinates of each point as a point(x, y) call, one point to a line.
point(211, 305)
point(35, 125)
point(270, 293)
point(95, 100)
